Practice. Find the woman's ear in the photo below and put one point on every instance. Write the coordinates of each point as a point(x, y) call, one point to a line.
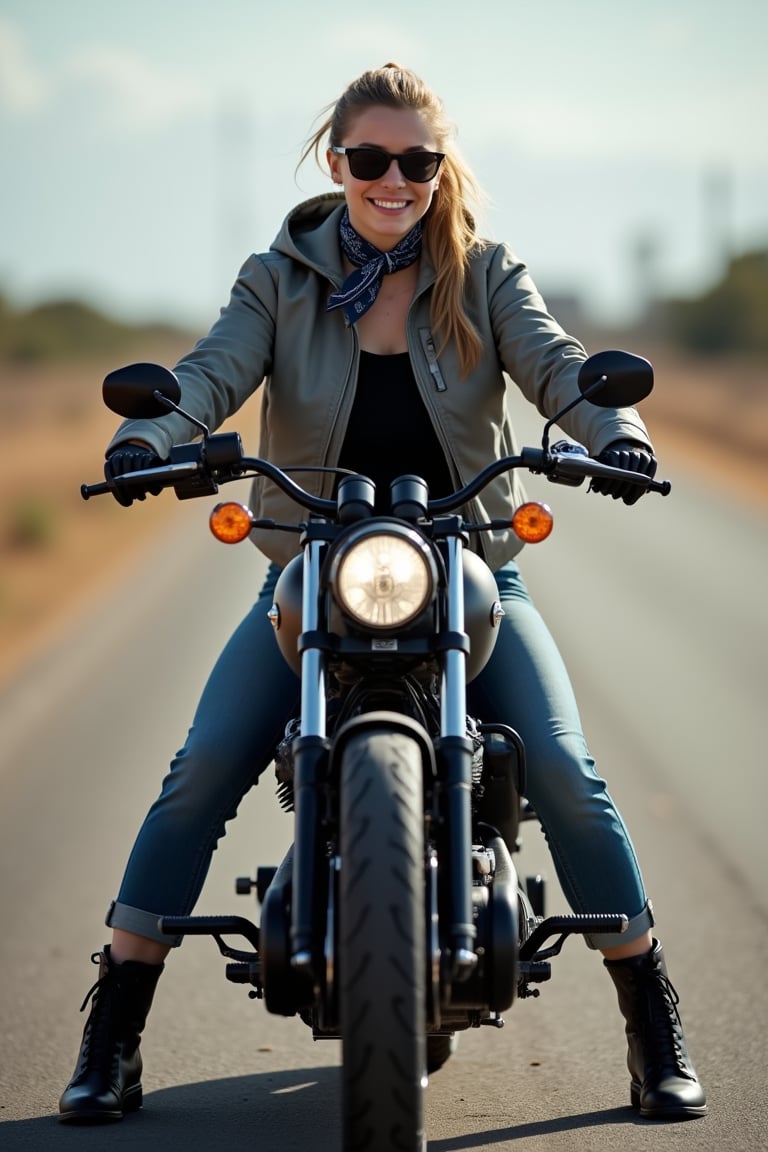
point(332, 160)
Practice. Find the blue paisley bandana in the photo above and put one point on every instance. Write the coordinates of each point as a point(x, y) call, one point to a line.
point(361, 287)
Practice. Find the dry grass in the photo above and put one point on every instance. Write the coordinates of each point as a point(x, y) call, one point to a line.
point(715, 413)
point(52, 438)
point(55, 428)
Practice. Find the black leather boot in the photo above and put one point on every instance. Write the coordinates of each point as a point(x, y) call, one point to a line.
point(664, 1082)
point(107, 1080)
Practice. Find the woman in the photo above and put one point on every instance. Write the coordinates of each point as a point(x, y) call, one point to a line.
point(380, 318)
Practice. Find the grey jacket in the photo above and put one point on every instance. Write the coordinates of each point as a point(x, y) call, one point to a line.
point(275, 332)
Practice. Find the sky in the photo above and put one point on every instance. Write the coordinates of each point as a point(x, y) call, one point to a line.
point(148, 146)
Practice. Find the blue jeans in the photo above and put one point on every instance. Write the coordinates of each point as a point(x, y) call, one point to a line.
point(250, 696)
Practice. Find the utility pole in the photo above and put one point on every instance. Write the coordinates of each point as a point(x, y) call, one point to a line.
point(717, 198)
point(235, 152)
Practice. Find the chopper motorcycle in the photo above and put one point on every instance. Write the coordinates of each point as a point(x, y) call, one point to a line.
point(397, 919)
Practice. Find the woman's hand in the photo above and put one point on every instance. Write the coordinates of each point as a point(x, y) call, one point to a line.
point(633, 457)
point(131, 457)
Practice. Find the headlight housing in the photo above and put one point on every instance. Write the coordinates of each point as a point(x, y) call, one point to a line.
point(383, 578)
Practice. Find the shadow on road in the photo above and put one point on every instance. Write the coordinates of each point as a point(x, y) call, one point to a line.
point(276, 1112)
point(576, 1123)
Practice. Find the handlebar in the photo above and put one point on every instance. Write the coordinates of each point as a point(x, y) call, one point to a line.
point(536, 460)
point(170, 474)
point(166, 476)
point(549, 464)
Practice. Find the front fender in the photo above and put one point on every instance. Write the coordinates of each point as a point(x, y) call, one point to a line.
point(392, 721)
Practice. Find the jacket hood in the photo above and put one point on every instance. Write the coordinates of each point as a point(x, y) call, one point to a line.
point(310, 231)
point(310, 234)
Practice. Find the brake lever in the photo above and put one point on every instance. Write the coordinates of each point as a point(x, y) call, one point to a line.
point(167, 475)
point(571, 464)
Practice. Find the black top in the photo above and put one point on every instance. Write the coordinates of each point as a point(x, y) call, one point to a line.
point(389, 432)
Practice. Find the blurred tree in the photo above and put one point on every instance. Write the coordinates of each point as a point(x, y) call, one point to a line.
point(61, 329)
point(732, 316)
point(5, 321)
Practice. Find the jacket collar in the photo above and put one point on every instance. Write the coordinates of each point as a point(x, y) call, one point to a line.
point(310, 235)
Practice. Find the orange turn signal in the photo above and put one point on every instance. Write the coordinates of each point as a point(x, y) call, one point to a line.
point(533, 522)
point(230, 522)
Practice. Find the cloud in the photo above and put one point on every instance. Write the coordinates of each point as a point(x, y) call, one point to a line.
point(119, 86)
point(23, 87)
point(131, 92)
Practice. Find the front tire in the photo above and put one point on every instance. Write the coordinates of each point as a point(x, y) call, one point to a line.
point(381, 952)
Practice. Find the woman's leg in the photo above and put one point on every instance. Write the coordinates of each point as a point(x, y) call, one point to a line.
point(245, 705)
point(250, 695)
point(526, 685)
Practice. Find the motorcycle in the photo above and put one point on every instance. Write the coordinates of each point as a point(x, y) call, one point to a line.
point(397, 919)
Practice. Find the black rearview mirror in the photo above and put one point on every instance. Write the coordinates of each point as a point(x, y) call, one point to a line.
point(130, 391)
point(615, 379)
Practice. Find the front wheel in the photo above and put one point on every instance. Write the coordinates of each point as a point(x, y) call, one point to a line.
point(381, 951)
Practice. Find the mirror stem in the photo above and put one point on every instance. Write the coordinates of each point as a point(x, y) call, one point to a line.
point(585, 395)
point(169, 404)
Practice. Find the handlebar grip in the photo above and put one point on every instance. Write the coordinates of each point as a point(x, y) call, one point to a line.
point(585, 467)
point(166, 476)
point(88, 490)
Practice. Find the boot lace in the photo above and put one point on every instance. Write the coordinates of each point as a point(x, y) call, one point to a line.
point(96, 1035)
point(664, 1042)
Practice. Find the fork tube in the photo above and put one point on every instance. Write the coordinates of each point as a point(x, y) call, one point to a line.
point(310, 758)
point(456, 752)
point(453, 694)
point(312, 660)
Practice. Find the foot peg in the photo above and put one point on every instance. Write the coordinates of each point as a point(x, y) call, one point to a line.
point(564, 926)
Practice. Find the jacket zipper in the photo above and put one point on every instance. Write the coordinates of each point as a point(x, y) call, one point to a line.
point(428, 344)
point(334, 423)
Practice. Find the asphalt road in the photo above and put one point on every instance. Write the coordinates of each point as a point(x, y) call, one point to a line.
point(660, 611)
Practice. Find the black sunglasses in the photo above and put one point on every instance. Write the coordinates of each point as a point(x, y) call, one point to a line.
point(372, 163)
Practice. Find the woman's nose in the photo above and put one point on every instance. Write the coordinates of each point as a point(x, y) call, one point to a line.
point(393, 175)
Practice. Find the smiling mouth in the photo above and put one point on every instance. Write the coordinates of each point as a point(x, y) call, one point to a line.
point(391, 205)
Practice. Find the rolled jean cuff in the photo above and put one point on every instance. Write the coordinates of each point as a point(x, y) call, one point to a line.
point(140, 923)
point(637, 926)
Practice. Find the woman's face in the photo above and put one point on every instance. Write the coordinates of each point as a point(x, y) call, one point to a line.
point(385, 210)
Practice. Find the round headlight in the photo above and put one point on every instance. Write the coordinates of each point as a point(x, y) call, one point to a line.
point(384, 580)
